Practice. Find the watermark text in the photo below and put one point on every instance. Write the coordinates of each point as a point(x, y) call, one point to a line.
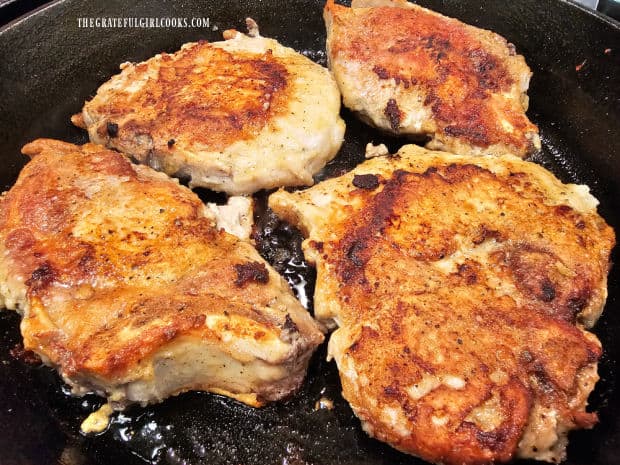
point(145, 22)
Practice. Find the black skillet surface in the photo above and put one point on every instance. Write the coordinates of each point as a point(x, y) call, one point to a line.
point(49, 66)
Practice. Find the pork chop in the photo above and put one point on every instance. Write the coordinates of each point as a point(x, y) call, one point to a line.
point(460, 286)
point(409, 70)
point(235, 116)
point(130, 289)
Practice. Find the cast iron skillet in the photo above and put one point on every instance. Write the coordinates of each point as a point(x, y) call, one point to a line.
point(49, 66)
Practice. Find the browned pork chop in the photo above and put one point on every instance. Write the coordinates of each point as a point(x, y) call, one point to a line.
point(460, 286)
point(409, 70)
point(129, 287)
point(235, 116)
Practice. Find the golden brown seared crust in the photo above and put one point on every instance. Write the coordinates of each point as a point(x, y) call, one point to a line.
point(118, 262)
point(413, 71)
point(456, 283)
point(230, 97)
point(236, 116)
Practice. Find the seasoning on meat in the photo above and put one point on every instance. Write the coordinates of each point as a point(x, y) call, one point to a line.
point(251, 272)
point(460, 290)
